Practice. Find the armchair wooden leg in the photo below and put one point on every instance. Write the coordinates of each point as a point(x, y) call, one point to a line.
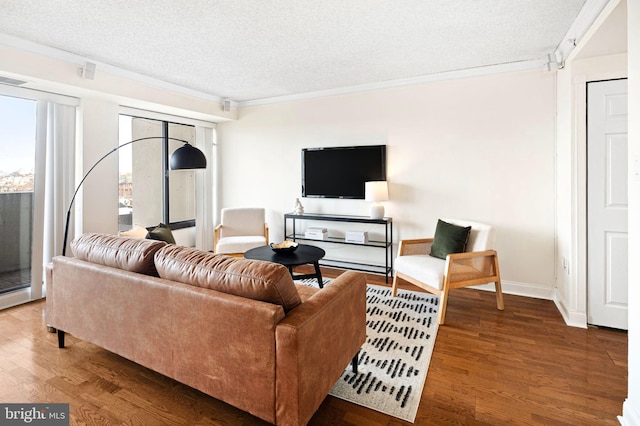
point(394, 287)
point(499, 298)
point(444, 297)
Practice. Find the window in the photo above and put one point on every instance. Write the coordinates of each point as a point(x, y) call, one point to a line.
point(149, 192)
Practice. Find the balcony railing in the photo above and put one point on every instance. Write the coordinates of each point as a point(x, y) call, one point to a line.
point(16, 224)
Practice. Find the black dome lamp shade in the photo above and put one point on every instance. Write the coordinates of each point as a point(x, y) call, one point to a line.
point(187, 157)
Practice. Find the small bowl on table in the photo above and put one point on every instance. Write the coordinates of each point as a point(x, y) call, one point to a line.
point(284, 247)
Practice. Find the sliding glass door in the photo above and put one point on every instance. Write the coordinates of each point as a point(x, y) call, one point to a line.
point(17, 177)
point(37, 175)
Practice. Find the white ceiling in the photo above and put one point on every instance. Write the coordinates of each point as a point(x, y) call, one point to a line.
point(245, 50)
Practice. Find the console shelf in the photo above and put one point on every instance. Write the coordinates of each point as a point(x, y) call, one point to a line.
point(386, 269)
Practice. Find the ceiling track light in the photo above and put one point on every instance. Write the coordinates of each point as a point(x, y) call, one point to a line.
point(552, 64)
point(88, 71)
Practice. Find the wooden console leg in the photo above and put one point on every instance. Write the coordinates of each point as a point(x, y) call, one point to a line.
point(354, 363)
point(60, 339)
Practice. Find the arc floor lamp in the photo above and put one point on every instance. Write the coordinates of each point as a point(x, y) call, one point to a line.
point(184, 158)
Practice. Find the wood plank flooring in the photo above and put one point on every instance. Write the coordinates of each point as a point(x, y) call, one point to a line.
point(522, 366)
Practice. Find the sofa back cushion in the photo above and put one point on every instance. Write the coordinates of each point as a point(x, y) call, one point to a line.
point(127, 253)
point(253, 279)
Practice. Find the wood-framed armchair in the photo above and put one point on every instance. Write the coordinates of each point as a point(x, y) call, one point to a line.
point(478, 264)
point(240, 229)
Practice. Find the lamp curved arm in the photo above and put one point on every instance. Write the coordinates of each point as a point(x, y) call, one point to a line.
point(198, 163)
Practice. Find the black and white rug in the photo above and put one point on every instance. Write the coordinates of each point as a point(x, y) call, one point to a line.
point(394, 361)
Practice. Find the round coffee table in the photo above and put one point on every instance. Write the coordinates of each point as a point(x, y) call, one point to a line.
point(303, 255)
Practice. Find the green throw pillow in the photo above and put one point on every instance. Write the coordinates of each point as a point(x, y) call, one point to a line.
point(161, 232)
point(449, 238)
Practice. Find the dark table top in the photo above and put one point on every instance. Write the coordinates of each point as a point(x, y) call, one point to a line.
point(302, 255)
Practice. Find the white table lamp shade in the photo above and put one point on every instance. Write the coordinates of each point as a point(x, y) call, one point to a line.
point(376, 191)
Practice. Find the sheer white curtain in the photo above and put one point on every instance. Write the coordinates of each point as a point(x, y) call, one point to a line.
point(58, 128)
point(60, 175)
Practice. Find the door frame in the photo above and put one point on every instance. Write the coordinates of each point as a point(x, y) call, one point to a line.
point(577, 314)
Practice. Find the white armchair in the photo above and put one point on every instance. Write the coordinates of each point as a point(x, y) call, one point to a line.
point(478, 264)
point(240, 229)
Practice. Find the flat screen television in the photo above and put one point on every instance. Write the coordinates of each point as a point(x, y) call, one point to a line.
point(340, 172)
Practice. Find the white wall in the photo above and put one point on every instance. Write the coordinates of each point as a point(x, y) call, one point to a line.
point(631, 408)
point(479, 148)
point(99, 197)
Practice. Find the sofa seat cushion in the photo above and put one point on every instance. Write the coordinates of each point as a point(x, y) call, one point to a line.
point(253, 279)
point(239, 244)
point(127, 253)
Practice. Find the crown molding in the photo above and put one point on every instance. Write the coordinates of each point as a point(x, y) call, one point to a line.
point(80, 61)
point(536, 64)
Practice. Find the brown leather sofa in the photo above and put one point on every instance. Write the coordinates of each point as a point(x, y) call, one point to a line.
point(237, 329)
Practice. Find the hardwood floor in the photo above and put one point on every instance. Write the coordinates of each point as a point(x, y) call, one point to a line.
point(520, 366)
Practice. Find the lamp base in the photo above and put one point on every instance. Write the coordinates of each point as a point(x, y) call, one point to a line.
point(377, 211)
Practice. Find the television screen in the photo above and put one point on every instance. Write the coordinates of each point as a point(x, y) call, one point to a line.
point(340, 172)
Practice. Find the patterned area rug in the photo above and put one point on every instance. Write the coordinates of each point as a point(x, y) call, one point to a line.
point(394, 361)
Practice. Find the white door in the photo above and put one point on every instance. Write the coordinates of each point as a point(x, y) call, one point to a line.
point(607, 252)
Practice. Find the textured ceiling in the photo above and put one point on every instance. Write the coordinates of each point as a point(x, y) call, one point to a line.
point(252, 49)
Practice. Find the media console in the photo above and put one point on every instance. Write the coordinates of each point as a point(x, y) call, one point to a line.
point(293, 231)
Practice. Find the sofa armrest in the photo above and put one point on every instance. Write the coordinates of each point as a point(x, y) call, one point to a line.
point(315, 343)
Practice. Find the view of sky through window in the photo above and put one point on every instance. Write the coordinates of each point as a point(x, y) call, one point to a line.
point(17, 144)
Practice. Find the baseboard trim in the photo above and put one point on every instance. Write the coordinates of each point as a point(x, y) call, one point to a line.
point(520, 289)
point(630, 416)
point(571, 318)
